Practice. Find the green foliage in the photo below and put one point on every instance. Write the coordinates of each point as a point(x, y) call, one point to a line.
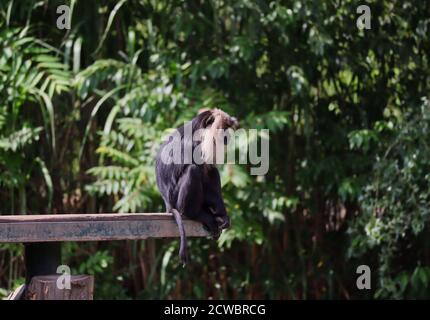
point(395, 209)
point(30, 75)
point(99, 262)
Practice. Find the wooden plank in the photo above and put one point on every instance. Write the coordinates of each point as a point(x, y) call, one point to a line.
point(93, 227)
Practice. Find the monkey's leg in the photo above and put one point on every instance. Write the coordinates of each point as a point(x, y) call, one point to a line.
point(213, 198)
point(190, 199)
point(215, 204)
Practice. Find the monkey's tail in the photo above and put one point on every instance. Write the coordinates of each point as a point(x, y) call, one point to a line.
point(183, 246)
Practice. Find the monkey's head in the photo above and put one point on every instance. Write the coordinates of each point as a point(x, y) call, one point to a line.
point(217, 119)
point(217, 126)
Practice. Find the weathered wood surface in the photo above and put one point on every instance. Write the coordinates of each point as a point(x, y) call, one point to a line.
point(93, 227)
point(46, 288)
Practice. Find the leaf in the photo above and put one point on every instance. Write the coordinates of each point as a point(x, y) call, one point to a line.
point(48, 180)
point(49, 115)
point(94, 113)
point(109, 23)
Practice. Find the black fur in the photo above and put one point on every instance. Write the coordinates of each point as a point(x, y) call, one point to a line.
point(192, 189)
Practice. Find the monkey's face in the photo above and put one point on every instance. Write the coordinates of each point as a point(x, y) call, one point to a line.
point(217, 128)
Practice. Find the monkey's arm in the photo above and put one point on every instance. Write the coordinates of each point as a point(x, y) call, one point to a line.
point(212, 192)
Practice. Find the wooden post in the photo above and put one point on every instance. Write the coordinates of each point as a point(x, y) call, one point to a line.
point(46, 288)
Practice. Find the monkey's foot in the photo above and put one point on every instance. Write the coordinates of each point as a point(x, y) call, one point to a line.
point(214, 231)
point(223, 222)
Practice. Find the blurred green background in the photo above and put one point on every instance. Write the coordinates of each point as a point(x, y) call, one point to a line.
point(82, 110)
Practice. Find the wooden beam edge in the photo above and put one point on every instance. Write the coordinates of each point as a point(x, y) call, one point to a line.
point(85, 217)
